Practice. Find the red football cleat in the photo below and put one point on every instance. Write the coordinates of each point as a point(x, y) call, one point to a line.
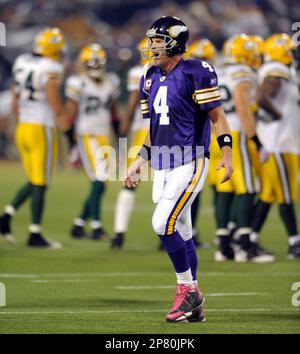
point(187, 305)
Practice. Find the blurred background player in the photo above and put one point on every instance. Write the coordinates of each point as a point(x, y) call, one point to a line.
point(91, 100)
point(204, 49)
point(133, 123)
point(238, 85)
point(36, 106)
point(278, 129)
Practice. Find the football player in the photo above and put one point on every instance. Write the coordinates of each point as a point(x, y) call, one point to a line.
point(238, 85)
point(278, 129)
point(37, 106)
point(91, 99)
point(134, 123)
point(204, 49)
point(180, 98)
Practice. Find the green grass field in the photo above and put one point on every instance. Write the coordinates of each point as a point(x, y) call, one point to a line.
point(87, 288)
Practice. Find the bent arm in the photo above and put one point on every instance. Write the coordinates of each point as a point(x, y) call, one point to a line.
point(268, 89)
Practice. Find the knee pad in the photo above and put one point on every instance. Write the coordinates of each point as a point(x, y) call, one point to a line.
point(158, 225)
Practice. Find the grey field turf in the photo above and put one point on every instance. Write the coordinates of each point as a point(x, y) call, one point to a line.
point(87, 288)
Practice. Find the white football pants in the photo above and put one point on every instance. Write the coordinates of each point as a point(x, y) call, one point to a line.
point(174, 192)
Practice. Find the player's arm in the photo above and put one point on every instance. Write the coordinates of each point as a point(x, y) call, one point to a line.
point(71, 111)
point(52, 89)
point(268, 89)
point(126, 122)
point(242, 101)
point(115, 119)
point(14, 104)
point(222, 130)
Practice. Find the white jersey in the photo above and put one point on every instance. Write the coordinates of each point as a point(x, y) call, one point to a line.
point(31, 73)
point(94, 102)
point(5, 104)
point(133, 84)
point(281, 135)
point(229, 77)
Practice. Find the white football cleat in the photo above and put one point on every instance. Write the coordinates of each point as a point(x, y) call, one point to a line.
point(10, 239)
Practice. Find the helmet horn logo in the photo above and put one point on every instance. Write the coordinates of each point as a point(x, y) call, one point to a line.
point(175, 31)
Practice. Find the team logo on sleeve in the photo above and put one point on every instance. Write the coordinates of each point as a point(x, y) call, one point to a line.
point(148, 84)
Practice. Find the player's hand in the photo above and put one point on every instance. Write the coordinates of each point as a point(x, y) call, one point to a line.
point(226, 162)
point(74, 157)
point(133, 174)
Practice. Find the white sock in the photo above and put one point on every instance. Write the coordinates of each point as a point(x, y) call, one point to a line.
point(196, 283)
point(35, 229)
point(185, 278)
point(125, 203)
point(9, 209)
point(293, 239)
point(95, 224)
point(79, 222)
point(254, 236)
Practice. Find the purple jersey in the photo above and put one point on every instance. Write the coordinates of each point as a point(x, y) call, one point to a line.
point(177, 105)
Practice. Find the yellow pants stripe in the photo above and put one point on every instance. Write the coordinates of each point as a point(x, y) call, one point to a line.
point(88, 145)
point(86, 157)
point(283, 177)
point(246, 164)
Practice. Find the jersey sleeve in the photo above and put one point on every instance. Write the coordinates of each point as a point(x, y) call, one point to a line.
point(205, 88)
point(73, 88)
point(54, 70)
point(274, 70)
point(50, 69)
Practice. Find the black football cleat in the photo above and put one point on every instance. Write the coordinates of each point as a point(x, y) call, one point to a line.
point(78, 231)
point(99, 234)
point(294, 251)
point(5, 228)
point(36, 240)
point(221, 256)
point(118, 241)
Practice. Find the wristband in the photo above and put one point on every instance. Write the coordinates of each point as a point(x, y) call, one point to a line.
point(257, 142)
point(145, 152)
point(225, 140)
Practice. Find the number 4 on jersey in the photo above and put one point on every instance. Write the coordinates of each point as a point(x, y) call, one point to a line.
point(160, 105)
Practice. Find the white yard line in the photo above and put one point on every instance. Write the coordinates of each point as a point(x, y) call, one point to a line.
point(139, 274)
point(87, 312)
point(146, 287)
